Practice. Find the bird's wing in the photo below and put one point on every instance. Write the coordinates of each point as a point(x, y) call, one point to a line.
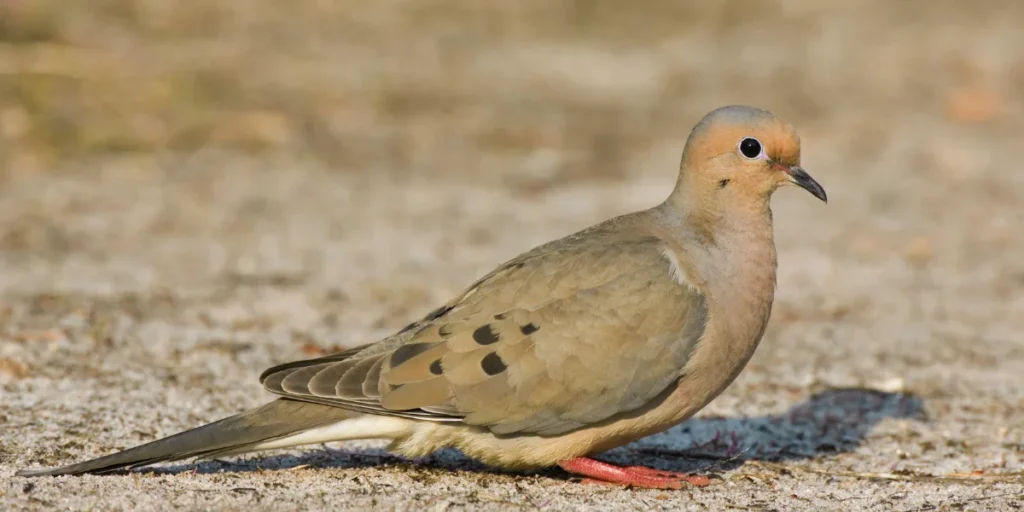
point(564, 336)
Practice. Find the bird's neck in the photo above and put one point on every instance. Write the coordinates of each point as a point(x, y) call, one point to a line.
point(731, 248)
point(741, 261)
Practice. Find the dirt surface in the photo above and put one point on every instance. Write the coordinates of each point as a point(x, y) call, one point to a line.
point(327, 174)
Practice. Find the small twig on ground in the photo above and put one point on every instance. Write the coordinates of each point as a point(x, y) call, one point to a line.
point(692, 455)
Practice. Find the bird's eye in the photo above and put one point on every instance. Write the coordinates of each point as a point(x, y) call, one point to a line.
point(750, 147)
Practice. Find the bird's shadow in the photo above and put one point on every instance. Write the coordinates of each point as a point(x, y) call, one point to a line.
point(827, 423)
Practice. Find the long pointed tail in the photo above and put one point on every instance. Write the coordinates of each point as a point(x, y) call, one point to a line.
point(235, 434)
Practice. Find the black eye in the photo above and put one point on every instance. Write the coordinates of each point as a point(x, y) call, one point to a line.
point(750, 147)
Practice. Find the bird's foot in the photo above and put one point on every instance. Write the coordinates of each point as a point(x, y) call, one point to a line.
point(632, 476)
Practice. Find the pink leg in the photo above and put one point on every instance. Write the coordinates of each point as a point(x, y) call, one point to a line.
point(635, 476)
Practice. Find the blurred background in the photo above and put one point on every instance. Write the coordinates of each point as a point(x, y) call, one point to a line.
point(199, 189)
point(539, 91)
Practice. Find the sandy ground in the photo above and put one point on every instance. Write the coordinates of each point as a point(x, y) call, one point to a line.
point(142, 293)
point(895, 345)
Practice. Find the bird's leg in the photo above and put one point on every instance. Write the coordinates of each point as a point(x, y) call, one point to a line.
point(635, 476)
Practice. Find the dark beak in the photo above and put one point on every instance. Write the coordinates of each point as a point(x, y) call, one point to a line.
point(803, 180)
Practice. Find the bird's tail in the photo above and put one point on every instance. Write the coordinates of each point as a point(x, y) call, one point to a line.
point(244, 432)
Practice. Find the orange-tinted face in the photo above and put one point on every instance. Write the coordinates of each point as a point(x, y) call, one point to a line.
point(747, 150)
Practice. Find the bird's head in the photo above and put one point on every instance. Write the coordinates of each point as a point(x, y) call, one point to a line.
point(739, 153)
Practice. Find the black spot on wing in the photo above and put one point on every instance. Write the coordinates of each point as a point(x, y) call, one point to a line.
point(485, 335)
point(407, 352)
point(435, 368)
point(439, 312)
point(492, 364)
point(529, 329)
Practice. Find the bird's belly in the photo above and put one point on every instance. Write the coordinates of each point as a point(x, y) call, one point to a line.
point(711, 369)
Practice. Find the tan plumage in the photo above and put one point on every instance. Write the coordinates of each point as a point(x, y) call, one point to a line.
point(577, 346)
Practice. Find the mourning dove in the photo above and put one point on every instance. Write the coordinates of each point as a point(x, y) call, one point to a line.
point(578, 346)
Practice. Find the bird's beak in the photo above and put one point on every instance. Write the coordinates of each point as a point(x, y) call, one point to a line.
point(800, 178)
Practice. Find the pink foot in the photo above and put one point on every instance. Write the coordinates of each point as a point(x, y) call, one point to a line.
point(633, 476)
